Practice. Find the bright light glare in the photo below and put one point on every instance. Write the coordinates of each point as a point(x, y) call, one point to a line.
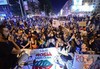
point(91, 8)
point(86, 4)
point(85, 8)
point(74, 8)
point(81, 14)
point(77, 2)
point(2, 18)
point(61, 12)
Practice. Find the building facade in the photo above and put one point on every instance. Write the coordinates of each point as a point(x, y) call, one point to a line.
point(95, 3)
point(81, 6)
point(33, 6)
point(66, 8)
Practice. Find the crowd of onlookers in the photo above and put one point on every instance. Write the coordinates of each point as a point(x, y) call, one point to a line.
point(38, 32)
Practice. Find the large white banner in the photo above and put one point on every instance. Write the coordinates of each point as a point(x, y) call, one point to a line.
point(44, 58)
point(3, 2)
point(86, 61)
point(47, 58)
point(53, 58)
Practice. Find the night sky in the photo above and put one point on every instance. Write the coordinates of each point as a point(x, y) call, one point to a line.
point(57, 5)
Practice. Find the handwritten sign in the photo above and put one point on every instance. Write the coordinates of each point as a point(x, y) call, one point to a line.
point(82, 23)
point(86, 61)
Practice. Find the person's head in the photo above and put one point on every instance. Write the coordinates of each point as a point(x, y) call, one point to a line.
point(84, 48)
point(50, 34)
point(25, 37)
point(43, 36)
point(4, 31)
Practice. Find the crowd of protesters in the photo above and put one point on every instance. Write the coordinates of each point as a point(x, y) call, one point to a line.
point(38, 32)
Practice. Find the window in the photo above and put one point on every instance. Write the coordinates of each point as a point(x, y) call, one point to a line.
point(98, 6)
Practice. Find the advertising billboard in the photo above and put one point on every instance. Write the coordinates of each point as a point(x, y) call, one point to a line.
point(3, 2)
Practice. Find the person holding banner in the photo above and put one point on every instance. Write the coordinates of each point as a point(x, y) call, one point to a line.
point(8, 49)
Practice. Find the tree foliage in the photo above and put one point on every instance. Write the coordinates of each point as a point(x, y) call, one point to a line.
point(45, 5)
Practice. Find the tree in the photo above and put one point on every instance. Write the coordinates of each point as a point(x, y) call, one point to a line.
point(45, 5)
point(14, 7)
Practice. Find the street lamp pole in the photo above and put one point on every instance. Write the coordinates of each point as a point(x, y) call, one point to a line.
point(21, 8)
point(23, 4)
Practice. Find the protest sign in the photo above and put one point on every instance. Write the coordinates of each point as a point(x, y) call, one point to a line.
point(86, 61)
point(83, 23)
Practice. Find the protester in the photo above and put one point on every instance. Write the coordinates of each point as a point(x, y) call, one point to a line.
point(8, 49)
point(39, 32)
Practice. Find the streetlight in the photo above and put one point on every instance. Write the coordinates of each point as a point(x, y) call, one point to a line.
point(21, 8)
